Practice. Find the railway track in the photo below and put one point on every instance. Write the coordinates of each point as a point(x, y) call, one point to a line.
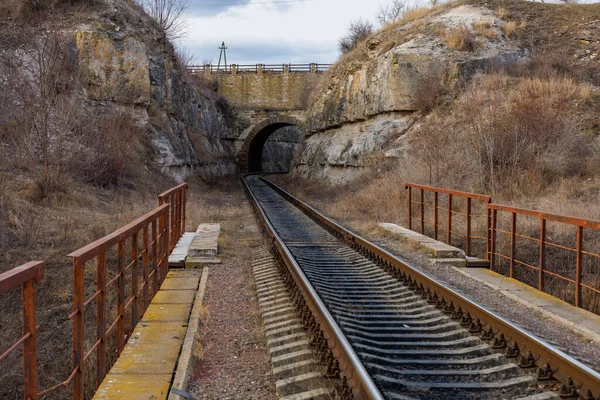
point(387, 330)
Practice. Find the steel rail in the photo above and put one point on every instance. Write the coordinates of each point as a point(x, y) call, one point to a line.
point(351, 367)
point(553, 363)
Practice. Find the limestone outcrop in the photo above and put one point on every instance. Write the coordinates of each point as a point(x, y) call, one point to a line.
point(349, 120)
point(125, 61)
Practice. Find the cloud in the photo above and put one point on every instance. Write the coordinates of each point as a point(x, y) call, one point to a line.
point(298, 32)
point(213, 7)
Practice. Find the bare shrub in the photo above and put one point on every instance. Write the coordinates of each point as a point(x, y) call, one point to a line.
point(461, 38)
point(169, 15)
point(115, 151)
point(42, 79)
point(358, 31)
point(521, 133)
point(391, 12)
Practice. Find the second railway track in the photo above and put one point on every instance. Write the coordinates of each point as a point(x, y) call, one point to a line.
point(389, 331)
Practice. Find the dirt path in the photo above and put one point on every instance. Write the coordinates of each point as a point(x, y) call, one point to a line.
point(234, 363)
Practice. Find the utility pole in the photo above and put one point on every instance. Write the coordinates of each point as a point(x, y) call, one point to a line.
point(222, 54)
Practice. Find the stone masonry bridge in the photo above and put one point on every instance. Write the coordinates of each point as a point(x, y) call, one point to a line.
point(267, 97)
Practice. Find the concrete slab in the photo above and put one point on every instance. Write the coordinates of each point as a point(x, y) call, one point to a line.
point(177, 257)
point(426, 245)
point(455, 262)
point(167, 313)
point(198, 262)
point(134, 387)
point(205, 243)
point(174, 297)
point(180, 284)
point(579, 320)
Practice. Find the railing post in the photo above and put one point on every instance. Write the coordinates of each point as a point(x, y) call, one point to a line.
point(184, 210)
point(578, 266)
point(134, 280)
point(145, 261)
point(449, 233)
point(435, 215)
point(513, 232)
point(155, 256)
point(164, 247)
point(422, 212)
point(78, 330)
point(30, 373)
point(120, 296)
point(488, 223)
point(409, 207)
point(542, 254)
point(468, 226)
point(101, 318)
point(493, 239)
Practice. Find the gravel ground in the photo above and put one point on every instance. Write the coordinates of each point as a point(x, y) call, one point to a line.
point(234, 363)
point(559, 335)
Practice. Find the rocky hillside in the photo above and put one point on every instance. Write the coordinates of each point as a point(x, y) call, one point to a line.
point(377, 98)
point(122, 63)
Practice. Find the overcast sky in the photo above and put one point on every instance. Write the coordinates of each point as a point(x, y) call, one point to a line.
point(272, 31)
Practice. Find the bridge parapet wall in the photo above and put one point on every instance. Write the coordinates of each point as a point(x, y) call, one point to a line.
point(281, 87)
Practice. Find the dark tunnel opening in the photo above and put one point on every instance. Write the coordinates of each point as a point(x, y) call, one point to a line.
point(273, 148)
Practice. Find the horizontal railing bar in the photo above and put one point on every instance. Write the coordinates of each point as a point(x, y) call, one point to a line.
point(475, 196)
point(172, 190)
point(586, 223)
point(589, 287)
point(90, 251)
point(14, 346)
point(564, 278)
point(19, 275)
point(60, 385)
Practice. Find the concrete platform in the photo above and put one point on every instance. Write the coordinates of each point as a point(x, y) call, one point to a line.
point(579, 320)
point(197, 249)
point(146, 367)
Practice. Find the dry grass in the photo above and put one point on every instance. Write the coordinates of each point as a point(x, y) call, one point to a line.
point(414, 14)
point(509, 28)
point(485, 29)
point(461, 38)
point(503, 13)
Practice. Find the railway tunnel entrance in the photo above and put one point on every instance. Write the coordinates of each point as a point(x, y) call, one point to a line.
point(271, 145)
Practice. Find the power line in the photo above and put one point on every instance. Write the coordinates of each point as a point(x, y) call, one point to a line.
point(250, 4)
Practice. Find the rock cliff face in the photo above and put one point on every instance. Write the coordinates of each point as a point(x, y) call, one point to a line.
point(125, 61)
point(366, 100)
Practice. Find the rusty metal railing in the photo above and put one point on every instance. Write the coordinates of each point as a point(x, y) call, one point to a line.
point(130, 265)
point(255, 68)
point(176, 198)
point(463, 209)
point(546, 254)
point(152, 229)
point(26, 276)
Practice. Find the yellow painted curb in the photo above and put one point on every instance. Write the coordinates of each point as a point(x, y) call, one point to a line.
point(185, 365)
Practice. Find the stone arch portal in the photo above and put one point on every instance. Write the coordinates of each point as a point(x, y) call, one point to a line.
point(250, 155)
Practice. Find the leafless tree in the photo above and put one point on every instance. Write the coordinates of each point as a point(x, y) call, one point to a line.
point(358, 31)
point(169, 15)
point(391, 12)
